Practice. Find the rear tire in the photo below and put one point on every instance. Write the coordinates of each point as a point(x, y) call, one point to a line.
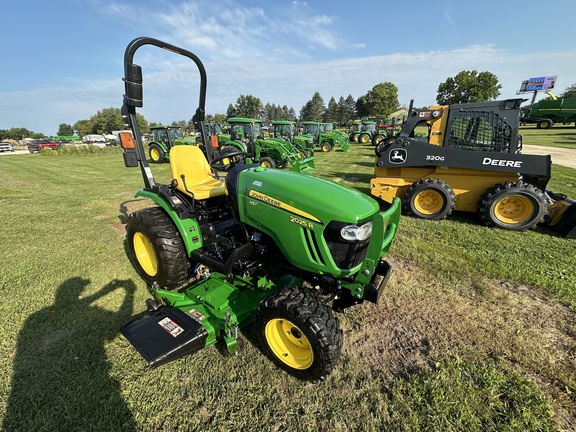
point(299, 333)
point(157, 155)
point(513, 206)
point(430, 198)
point(156, 248)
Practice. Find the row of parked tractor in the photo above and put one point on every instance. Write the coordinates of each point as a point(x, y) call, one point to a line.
point(283, 145)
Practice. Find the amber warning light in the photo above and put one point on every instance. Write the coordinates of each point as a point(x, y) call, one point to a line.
point(126, 140)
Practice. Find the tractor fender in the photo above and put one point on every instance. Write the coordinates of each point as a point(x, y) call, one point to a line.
point(188, 227)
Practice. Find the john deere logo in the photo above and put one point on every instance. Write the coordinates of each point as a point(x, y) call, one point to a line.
point(398, 156)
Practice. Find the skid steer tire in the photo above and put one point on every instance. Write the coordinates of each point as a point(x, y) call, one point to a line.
point(156, 249)
point(513, 206)
point(430, 198)
point(157, 155)
point(299, 333)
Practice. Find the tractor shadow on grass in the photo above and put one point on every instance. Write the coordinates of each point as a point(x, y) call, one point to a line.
point(61, 375)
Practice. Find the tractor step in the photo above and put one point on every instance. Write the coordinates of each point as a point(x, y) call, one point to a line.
point(166, 335)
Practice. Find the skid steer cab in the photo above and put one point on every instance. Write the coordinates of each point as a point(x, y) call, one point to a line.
point(275, 249)
point(468, 157)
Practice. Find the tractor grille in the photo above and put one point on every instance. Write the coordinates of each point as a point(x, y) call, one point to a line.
point(479, 131)
point(348, 255)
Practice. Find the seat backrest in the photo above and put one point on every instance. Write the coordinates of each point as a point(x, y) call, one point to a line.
point(188, 160)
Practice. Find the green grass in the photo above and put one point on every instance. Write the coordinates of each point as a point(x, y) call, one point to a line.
point(558, 136)
point(475, 331)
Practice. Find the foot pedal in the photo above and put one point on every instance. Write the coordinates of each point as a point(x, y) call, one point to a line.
point(165, 336)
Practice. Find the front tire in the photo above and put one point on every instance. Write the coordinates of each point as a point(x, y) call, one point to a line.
point(364, 138)
point(513, 206)
point(326, 147)
point(267, 162)
point(299, 333)
point(156, 248)
point(430, 198)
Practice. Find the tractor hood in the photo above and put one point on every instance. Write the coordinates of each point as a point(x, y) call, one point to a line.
point(310, 197)
point(302, 214)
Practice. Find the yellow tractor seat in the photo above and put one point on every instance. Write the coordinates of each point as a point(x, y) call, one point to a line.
point(188, 160)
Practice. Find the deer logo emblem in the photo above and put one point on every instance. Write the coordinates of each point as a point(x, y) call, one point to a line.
point(398, 156)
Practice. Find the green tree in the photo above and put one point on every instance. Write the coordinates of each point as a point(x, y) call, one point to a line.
point(248, 106)
point(570, 92)
point(17, 134)
point(382, 99)
point(65, 129)
point(362, 106)
point(469, 86)
point(313, 109)
point(107, 120)
point(83, 127)
point(331, 114)
point(346, 109)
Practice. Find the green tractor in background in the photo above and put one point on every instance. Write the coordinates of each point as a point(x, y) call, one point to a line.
point(355, 132)
point(276, 250)
point(246, 135)
point(325, 140)
point(163, 139)
point(286, 130)
point(368, 130)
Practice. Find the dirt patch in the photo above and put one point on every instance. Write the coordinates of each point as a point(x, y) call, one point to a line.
point(420, 319)
point(560, 156)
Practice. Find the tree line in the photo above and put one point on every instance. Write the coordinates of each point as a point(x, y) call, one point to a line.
point(381, 100)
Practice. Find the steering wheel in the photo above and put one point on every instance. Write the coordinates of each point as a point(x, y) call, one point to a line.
point(229, 156)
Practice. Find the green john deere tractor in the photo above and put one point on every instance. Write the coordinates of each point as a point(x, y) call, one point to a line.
point(246, 135)
point(273, 249)
point(325, 140)
point(286, 130)
point(163, 139)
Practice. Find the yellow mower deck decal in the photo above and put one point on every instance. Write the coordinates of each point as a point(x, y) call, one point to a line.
point(280, 204)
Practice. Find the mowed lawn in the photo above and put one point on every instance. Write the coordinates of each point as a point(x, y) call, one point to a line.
point(476, 330)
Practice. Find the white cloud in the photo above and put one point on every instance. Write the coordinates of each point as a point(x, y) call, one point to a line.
point(275, 76)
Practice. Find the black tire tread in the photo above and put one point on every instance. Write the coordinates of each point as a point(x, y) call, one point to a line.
point(314, 318)
point(486, 201)
point(432, 183)
point(173, 263)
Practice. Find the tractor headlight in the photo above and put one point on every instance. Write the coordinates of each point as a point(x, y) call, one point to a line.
point(356, 233)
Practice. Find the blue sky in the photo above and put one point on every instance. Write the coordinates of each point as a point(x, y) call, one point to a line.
point(63, 59)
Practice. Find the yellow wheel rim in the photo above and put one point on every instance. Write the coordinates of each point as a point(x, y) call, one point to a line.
point(363, 139)
point(429, 202)
point(155, 154)
point(266, 164)
point(513, 209)
point(379, 140)
point(289, 344)
point(325, 148)
point(145, 254)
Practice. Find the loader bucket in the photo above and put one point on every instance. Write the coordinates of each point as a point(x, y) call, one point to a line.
point(304, 165)
point(345, 146)
point(562, 214)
